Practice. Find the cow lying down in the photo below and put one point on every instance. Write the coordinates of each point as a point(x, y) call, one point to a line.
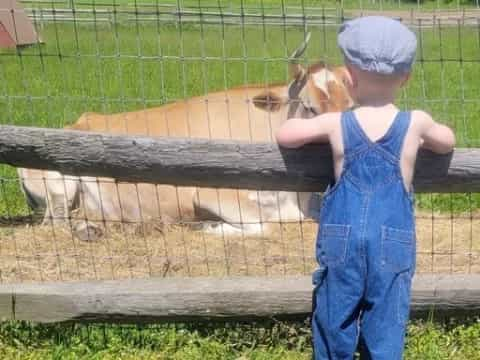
point(249, 113)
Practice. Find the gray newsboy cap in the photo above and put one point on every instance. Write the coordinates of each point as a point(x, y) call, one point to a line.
point(378, 44)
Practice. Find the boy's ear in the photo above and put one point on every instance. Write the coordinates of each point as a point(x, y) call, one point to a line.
point(405, 79)
point(350, 79)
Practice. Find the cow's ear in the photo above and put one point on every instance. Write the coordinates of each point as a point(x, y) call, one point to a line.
point(268, 101)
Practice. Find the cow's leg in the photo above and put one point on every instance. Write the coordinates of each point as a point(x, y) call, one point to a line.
point(285, 206)
point(32, 184)
point(245, 212)
point(92, 207)
point(229, 212)
point(104, 201)
point(61, 197)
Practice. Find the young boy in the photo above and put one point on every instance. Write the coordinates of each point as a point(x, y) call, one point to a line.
point(366, 238)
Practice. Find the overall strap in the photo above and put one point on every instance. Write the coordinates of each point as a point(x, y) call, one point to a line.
point(395, 137)
point(353, 139)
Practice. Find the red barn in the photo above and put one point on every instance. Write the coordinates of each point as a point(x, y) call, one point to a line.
point(15, 26)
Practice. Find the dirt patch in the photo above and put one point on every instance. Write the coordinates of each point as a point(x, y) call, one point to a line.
point(42, 253)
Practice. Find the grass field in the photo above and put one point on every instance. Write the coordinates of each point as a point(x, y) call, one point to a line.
point(130, 66)
point(269, 340)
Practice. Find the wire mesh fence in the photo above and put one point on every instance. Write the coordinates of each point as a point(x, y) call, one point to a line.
point(194, 68)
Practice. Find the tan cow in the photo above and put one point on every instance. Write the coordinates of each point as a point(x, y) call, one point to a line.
point(250, 113)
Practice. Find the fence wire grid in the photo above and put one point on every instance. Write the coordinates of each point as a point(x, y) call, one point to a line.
point(192, 68)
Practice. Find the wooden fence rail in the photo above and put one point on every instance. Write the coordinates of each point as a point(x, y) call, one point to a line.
point(198, 162)
point(180, 299)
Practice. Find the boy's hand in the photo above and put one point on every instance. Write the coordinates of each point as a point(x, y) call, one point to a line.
point(434, 136)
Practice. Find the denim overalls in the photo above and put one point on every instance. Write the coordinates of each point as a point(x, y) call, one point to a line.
point(366, 249)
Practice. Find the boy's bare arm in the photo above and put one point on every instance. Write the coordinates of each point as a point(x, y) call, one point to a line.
point(297, 132)
point(435, 137)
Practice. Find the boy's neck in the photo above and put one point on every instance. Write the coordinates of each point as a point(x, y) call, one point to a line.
point(375, 101)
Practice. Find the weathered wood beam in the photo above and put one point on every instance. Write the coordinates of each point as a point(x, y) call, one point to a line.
point(181, 299)
point(210, 163)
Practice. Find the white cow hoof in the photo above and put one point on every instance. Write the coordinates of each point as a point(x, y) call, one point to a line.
point(87, 231)
point(225, 229)
point(221, 229)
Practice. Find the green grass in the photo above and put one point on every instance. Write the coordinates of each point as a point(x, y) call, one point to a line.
point(267, 340)
point(131, 66)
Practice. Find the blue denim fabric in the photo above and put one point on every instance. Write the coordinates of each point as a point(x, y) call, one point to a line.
point(365, 249)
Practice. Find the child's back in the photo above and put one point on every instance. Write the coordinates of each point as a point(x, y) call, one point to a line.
point(376, 122)
point(366, 238)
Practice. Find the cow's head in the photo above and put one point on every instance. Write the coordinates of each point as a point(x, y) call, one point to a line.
point(313, 90)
